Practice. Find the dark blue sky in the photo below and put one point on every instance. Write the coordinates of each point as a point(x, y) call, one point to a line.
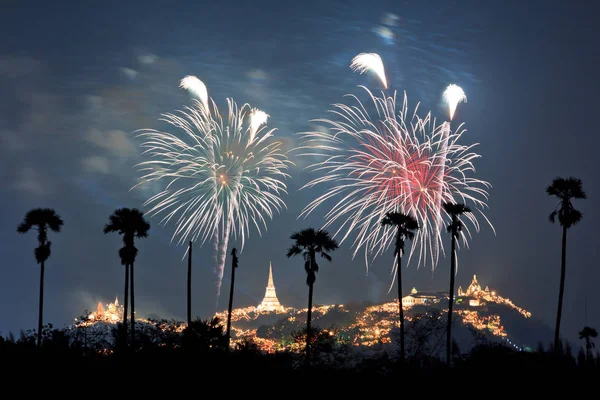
point(77, 80)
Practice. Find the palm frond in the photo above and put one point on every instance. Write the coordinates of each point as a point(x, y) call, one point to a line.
point(310, 243)
point(41, 217)
point(294, 250)
point(23, 227)
point(566, 189)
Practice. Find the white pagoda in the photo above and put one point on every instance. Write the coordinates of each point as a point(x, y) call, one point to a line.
point(270, 302)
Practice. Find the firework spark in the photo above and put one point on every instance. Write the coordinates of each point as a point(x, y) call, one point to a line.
point(369, 62)
point(454, 95)
point(257, 118)
point(389, 160)
point(196, 87)
point(221, 176)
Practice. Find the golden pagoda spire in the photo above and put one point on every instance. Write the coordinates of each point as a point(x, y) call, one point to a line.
point(270, 301)
point(270, 282)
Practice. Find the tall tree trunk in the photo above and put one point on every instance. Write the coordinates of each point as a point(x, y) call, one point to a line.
point(230, 305)
point(563, 267)
point(588, 350)
point(41, 310)
point(132, 311)
point(125, 305)
point(189, 286)
point(308, 322)
point(451, 301)
point(401, 310)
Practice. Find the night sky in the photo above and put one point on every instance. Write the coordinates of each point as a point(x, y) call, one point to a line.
point(77, 78)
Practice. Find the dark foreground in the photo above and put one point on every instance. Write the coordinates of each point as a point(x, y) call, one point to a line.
point(204, 356)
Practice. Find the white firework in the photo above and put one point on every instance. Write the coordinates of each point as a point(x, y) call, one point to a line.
point(197, 88)
point(454, 95)
point(257, 119)
point(369, 62)
point(220, 175)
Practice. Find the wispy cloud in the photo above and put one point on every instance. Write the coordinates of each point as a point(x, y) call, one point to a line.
point(96, 164)
point(31, 182)
point(116, 143)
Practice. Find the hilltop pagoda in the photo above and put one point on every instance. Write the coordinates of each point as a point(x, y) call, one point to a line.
point(270, 303)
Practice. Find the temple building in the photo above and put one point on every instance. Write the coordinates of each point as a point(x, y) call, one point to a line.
point(416, 298)
point(113, 312)
point(478, 296)
point(474, 290)
point(270, 303)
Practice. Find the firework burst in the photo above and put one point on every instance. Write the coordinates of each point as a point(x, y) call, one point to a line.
point(454, 95)
point(220, 175)
point(376, 159)
point(369, 62)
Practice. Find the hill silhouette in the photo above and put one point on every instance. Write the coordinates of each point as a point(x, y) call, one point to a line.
point(480, 315)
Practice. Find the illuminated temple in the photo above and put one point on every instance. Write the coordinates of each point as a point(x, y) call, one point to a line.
point(473, 289)
point(270, 303)
point(112, 313)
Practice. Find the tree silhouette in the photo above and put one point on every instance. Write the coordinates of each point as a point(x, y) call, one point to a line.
point(565, 190)
point(311, 243)
point(454, 210)
point(405, 226)
point(189, 285)
point(234, 265)
point(204, 336)
point(131, 224)
point(41, 219)
point(587, 334)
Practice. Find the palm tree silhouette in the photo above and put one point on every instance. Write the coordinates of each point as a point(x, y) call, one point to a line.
point(587, 334)
point(189, 285)
point(454, 210)
point(131, 224)
point(41, 219)
point(565, 190)
point(405, 226)
point(311, 243)
point(234, 265)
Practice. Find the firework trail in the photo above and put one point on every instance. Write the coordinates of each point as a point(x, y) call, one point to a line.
point(369, 62)
point(454, 95)
point(378, 158)
point(220, 175)
point(196, 87)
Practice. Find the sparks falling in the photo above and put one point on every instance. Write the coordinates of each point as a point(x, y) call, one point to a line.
point(376, 159)
point(369, 62)
point(454, 95)
point(220, 176)
point(196, 87)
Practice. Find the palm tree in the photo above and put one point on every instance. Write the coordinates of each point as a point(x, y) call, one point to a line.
point(311, 243)
point(41, 219)
point(587, 334)
point(131, 224)
point(454, 210)
point(234, 265)
point(565, 190)
point(405, 226)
